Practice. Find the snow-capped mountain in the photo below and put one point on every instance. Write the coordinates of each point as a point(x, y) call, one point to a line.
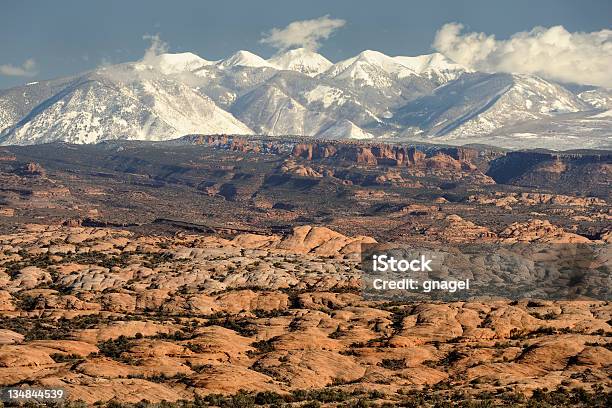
point(271, 111)
point(301, 60)
point(299, 92)
point(599, 98)
point(104, 105)
point(16, 103)
point(244, 59)
point(477, 104)
point(435, 66)
point(369, 68)
point(173, 63)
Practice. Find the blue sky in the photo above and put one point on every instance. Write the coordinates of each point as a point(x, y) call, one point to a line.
point(47, 39)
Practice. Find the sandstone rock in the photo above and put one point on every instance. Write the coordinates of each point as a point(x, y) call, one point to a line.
point(312, 369)
point(103, 367)
point(6, 301)
point(552, 354)
point(30, 277)
point(321, 241)
point(215, 344)
point(291, 312)
point(247, 300)
point(455, 229)
point(10, 337)
point(62, 249)
point(7, 212)
point(118, 302)
point(127, 329)
point(230, 379)
point(68, 347)
point(254, 241)
point(91, 390)
point(536, 230)
point(23, 356)
point(442, 162)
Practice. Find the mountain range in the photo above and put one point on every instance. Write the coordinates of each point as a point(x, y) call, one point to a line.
point(427, 98)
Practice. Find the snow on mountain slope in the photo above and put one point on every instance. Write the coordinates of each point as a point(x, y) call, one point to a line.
point(184, 109)
point(173, 63)
point(369, 68)
point(583, 130)
point(268, 110)
point(339, 104)
point(434, 66)
point(600, 98)
point(86, 113)
point(225, 85)
point(378, 81)
point(97, 107)
point(299, 92)
point(345, 129)
point(477, 104)
point(604, 114)
point(245, 59)
point(301, 60)
point(17, 102)
point(333, 102)
point(326, 96)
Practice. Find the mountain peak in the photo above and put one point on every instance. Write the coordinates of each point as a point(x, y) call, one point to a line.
point(302, 60)
point(244, 59)
point(175, 63)
point(427, 62)
point(434, 65)
point(371, 55)
point(370, 67)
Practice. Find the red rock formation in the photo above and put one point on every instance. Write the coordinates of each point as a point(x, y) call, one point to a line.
point(33, 169)
point(303, 150)
point(442, 161)
point(415, 156)
point(369, 154)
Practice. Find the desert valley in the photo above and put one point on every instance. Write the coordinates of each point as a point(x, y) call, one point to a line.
point(247, 290)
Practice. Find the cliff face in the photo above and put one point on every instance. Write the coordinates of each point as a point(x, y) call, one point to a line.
point(389, 155)
point(582, 172)
point(369, 154)
point(310, 151)
point(233, 143)
point(585, 173)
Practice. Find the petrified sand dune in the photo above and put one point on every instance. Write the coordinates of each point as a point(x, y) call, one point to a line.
point(539, 231)
point(177, 316)
point(321, 241)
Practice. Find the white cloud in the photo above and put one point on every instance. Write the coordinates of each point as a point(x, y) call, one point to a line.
point(27, 69)
point(147, 67)
point(304, 33)
point(157, 47)
point(554, 53)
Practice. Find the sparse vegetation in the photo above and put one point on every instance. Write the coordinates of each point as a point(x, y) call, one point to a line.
point(118, 349)
point(176, 281)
